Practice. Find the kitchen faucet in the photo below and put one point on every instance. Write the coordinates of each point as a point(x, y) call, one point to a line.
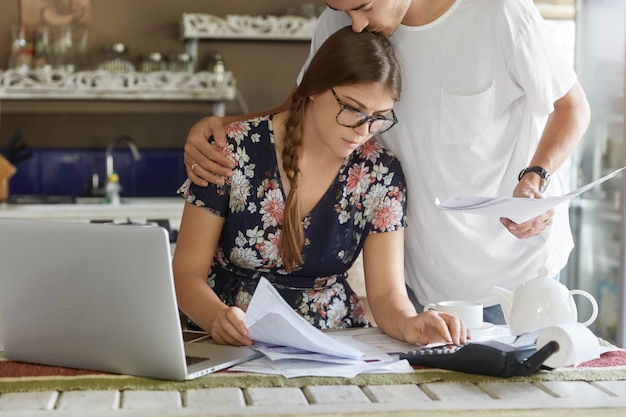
point(112, 186)
point(109, 152)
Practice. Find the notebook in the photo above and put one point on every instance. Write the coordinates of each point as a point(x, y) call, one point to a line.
point(98, 297)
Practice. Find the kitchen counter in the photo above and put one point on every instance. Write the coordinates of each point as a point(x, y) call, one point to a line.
point(138, 209)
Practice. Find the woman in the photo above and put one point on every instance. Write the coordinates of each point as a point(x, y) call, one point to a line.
point(301, 206)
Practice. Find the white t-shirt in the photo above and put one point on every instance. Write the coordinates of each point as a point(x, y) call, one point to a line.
point(477, 86)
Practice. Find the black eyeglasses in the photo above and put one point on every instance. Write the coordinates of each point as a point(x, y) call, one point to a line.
point(348, 116)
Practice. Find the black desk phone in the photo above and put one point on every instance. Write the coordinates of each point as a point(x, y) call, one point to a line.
point(491, 358)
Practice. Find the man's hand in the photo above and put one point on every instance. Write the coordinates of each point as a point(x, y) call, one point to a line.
point(528, 187)
point(203, 162)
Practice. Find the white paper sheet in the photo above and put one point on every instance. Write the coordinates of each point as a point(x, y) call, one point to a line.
point(371, 340)
point(371, 353)
point(271, 320)
point(292, 368)
point(517, 209)
point(292, 347)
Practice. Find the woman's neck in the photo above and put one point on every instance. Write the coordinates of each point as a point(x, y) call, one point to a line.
point(311, 148)
point(318, 166)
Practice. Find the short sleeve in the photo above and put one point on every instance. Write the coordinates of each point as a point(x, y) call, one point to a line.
point(375, 190)
point(390, 206)
point(212, 197)
point(536, 52)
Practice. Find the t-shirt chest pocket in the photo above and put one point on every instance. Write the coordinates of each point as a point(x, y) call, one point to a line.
point(466, 118)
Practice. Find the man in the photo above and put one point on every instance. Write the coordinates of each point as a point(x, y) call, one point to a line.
point(488, 107)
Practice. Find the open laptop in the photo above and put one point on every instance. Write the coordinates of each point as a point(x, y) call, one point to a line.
point(98, 297)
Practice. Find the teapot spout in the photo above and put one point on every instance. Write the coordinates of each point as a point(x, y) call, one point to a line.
point(506, 300)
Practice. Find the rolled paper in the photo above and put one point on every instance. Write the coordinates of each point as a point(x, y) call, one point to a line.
point(577, 344)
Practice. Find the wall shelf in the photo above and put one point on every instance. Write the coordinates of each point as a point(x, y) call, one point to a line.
point(119, 86)
point(283, 28)
point(59, 85)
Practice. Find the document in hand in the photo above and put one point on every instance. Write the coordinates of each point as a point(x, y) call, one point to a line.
point(517, 209)
point(271, 320)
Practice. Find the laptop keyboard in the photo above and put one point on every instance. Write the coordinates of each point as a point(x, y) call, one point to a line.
point(192, 360)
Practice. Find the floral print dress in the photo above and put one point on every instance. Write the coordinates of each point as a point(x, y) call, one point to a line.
point(367, 196)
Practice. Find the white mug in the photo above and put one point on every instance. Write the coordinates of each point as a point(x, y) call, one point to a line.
point(471, 313)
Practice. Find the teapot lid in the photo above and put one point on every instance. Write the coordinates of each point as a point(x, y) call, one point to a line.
point(543, 279)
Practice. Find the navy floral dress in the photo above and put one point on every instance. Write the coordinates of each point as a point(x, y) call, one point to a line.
point(367, 196)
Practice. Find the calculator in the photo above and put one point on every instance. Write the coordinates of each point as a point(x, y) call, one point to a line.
point(490, 358)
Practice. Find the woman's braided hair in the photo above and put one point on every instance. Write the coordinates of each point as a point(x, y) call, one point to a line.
point(345, 58)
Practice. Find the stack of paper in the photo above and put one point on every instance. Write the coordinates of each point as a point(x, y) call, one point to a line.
point(293, 347)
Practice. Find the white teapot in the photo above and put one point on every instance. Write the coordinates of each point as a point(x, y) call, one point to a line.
point(539, 303)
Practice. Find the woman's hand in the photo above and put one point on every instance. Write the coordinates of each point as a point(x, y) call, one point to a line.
point(229, 329)
point(435, 327)
point(203, 162)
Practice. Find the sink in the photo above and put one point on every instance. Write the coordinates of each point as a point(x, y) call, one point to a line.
point(40, 199)
point(137, 209)
point(132, 210)
point(45, 199)
point(89, 200)
point(124, 200)
point(130, 201)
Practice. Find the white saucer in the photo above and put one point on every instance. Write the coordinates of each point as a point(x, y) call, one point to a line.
point(485, 326)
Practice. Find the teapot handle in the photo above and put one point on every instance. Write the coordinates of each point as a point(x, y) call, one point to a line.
point(594, 304)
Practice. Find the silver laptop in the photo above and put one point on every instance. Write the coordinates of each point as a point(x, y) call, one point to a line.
point(98, 297)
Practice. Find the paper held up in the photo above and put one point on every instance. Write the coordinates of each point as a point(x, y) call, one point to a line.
point(517, 209)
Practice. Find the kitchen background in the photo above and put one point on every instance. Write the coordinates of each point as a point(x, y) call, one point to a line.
point(67, 138)
point(57, 145)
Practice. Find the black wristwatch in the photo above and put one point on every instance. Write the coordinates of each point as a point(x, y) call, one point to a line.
point(545, 176)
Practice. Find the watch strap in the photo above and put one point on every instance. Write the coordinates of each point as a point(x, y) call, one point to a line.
point(544, 174)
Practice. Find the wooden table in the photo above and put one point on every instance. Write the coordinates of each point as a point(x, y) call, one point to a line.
point(554, 398)
point(562, 395)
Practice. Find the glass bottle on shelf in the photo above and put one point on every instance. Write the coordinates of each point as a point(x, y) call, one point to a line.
point(21, 58)
point(217, 67)
point(64, 49)
point(43, 50)
point(80, 37)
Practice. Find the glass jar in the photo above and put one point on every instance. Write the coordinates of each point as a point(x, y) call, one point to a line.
point(115, 59)
point(181, 63)
point(153, 62)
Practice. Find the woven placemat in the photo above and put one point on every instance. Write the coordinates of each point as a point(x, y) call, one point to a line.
point(22, 377)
